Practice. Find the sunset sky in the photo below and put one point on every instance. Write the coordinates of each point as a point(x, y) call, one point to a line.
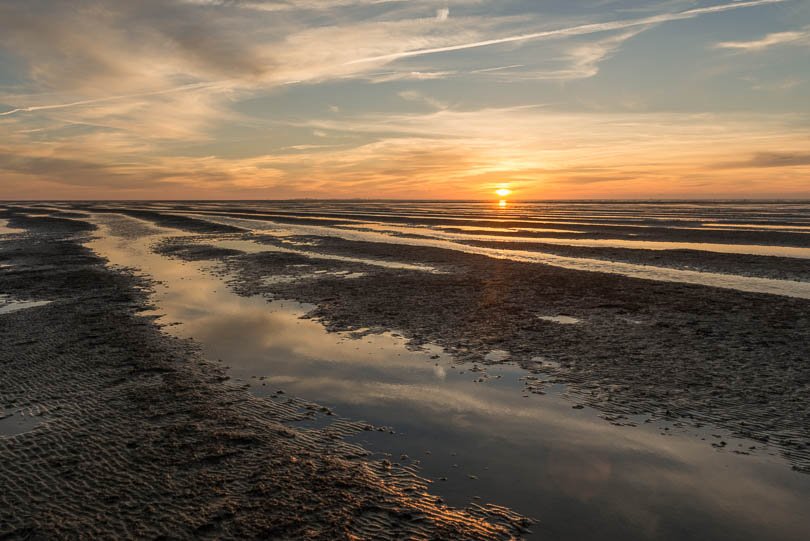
point(179, 99)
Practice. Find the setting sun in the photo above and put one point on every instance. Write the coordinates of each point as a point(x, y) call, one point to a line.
point(503, 192)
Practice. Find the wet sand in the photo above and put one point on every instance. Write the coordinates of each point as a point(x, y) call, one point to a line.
point(724, 367)
point(668, 350)
point(140, 436)
point(774, 267)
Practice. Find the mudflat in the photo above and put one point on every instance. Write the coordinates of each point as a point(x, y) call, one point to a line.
point(136, 435)
point(445, 359)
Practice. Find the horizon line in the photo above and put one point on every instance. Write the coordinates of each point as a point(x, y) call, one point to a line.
point(404, 200)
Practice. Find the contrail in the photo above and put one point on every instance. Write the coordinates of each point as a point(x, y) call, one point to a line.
point(33, 108)
point(572, 31)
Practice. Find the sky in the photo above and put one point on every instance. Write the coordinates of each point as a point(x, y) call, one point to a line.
point(410, 99)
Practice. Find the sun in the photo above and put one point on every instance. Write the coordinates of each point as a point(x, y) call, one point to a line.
point(503, 192)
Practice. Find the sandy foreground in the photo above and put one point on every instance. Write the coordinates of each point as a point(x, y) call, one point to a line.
point(132, 434)
point(702, 355)
point(135, 433)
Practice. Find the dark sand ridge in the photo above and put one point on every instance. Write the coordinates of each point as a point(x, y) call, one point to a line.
point(739, 264)
point(638, 217)
point(752, 274)
point(669, 212)
point(671, 273)
point(141, 437)
point(50, 211)
point(653, 230)
point(180, 222)
point(778, 268)
point(735, 359)
point(661, 209)
point(758, 266)
point(173, 219)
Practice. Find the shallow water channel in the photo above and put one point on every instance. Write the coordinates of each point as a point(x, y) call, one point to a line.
point(752, 284)
point(479, 434)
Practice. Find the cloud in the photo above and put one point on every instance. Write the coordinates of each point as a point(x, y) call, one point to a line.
point(113, 47)
point(391, 76)
point(286, 5)
point(770, 159)
point(545, 153)
point(498, 68)
point(578, 30)
point(183, 88)
point(415, 95)
point(77, 172)
point(179, 98)
point(448, 153)
point(581, 60)
point(801, 37)
point(114, 51)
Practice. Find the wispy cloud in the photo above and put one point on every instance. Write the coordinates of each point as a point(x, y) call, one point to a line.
point(769, 160)
point(390, 76)
point(200, 47)
point(415, 95)
point(800, 37)
point(207, 98)
point(96, 101)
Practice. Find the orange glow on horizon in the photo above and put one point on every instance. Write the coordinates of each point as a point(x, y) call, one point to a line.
point(542, 119)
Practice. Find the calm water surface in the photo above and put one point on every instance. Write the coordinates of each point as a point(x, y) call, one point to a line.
point(6, 230)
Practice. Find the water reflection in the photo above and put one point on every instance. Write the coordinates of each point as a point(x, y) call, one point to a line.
point(662, 274)
point(12, 424)
point(6, 230)
point(563, 320)
point(476, 429)
point(8, 305)
point(748, 249)
point(255, 247)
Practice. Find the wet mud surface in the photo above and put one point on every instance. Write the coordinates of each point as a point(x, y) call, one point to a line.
point(779, 268)
point(633, 225)
point(728, 367)
point(137, 435)
point(678, 351)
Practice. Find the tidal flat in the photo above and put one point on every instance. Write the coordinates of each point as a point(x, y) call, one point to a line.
point(405, 370)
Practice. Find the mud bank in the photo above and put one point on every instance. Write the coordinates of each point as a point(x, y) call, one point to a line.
point(666, 350)
point(136, 435)
point(701, 228)
point(778, 268)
